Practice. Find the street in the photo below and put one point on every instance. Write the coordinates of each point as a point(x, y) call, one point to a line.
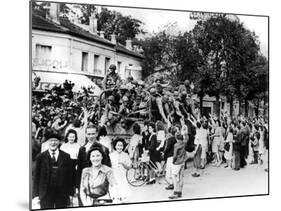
point(213, 182)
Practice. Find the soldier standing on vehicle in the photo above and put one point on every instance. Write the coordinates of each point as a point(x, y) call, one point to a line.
point(112, 79)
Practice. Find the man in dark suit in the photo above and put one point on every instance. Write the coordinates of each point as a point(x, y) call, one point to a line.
point(53, 182)
point(244, 140)
point(83, 161)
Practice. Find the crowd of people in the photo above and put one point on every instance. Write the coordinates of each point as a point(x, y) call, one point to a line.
point(75, 158)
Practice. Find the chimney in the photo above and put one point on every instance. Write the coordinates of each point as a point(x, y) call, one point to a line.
point(141, 51)
point(93, 23)
point(136, 48)
point(54, 12)
point(129, 44)
point(113, 38)
point(102, 34)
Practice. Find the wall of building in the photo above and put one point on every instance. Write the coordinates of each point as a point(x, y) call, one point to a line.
point(60, 53)
point(129, 66)
point(210, 102)
point(67, 51)
point(79, 46)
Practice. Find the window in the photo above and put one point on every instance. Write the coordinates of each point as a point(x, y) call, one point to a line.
point(84, 67)
point(43, 51)
point(129, 72)
point(97, 70)
point(107, 63)
point(119, 66)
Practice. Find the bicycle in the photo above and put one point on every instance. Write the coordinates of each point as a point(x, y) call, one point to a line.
point(138, 174)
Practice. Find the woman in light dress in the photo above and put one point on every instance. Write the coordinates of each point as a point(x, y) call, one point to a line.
point(97, 180)
point(204, 140)
point(120, 163)
point(133, 147)
point(228, 153)
point(218, 137)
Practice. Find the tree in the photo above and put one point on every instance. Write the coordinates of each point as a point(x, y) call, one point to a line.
point(158, 53)
point(256, 85)
point(85, 11)
point(124, 27)
point(40, 8)
point(227, 48)
point(164, 52)
point(109, 21)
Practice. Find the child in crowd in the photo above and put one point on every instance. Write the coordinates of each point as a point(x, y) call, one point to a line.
point(179, 158)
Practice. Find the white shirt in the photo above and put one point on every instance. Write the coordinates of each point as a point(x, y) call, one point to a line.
point(56, 154)
point(161, 137)
point(71, 149)
point(201, 137)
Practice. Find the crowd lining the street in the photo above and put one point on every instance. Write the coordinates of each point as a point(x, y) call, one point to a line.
point(75, 157)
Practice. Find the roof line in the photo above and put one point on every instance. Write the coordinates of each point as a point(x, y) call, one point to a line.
point(84, 35)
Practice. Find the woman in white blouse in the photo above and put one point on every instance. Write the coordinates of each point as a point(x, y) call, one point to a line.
point(71, 146)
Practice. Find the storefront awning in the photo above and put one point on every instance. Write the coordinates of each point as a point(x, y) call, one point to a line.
point(50, 79)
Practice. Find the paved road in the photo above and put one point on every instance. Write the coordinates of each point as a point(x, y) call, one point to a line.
point(213, 182)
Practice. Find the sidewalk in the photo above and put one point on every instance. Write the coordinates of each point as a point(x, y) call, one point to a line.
point(213, 182)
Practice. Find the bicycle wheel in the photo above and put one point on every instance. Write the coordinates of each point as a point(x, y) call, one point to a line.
point(136, 176)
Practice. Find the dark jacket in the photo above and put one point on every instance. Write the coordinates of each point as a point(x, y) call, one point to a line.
point(237, 140)
point(169, 147)
point(65, 180)
point(155, 155)
point(244, 136)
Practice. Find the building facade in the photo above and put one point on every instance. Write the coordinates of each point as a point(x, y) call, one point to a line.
point(63, 50)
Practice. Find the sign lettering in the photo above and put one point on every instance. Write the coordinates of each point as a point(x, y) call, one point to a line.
point(48, 63)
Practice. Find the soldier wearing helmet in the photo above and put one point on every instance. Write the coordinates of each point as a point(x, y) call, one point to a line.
point(110, 113)
point(112, 79)
point(124, 113)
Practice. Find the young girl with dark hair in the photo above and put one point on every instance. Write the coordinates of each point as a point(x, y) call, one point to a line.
point(155, 156)
point(120, 163)
point(96, 179)
point(71, 146)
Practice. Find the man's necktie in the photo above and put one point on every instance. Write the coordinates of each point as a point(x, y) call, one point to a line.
point(53, 158)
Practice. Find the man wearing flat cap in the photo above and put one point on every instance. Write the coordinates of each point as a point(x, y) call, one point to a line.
point(53, 182)
point(112, 79)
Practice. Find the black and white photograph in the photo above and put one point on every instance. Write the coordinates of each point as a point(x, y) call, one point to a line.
point(136, 105)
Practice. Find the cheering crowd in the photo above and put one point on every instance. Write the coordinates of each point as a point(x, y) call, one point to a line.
point(76, 156)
